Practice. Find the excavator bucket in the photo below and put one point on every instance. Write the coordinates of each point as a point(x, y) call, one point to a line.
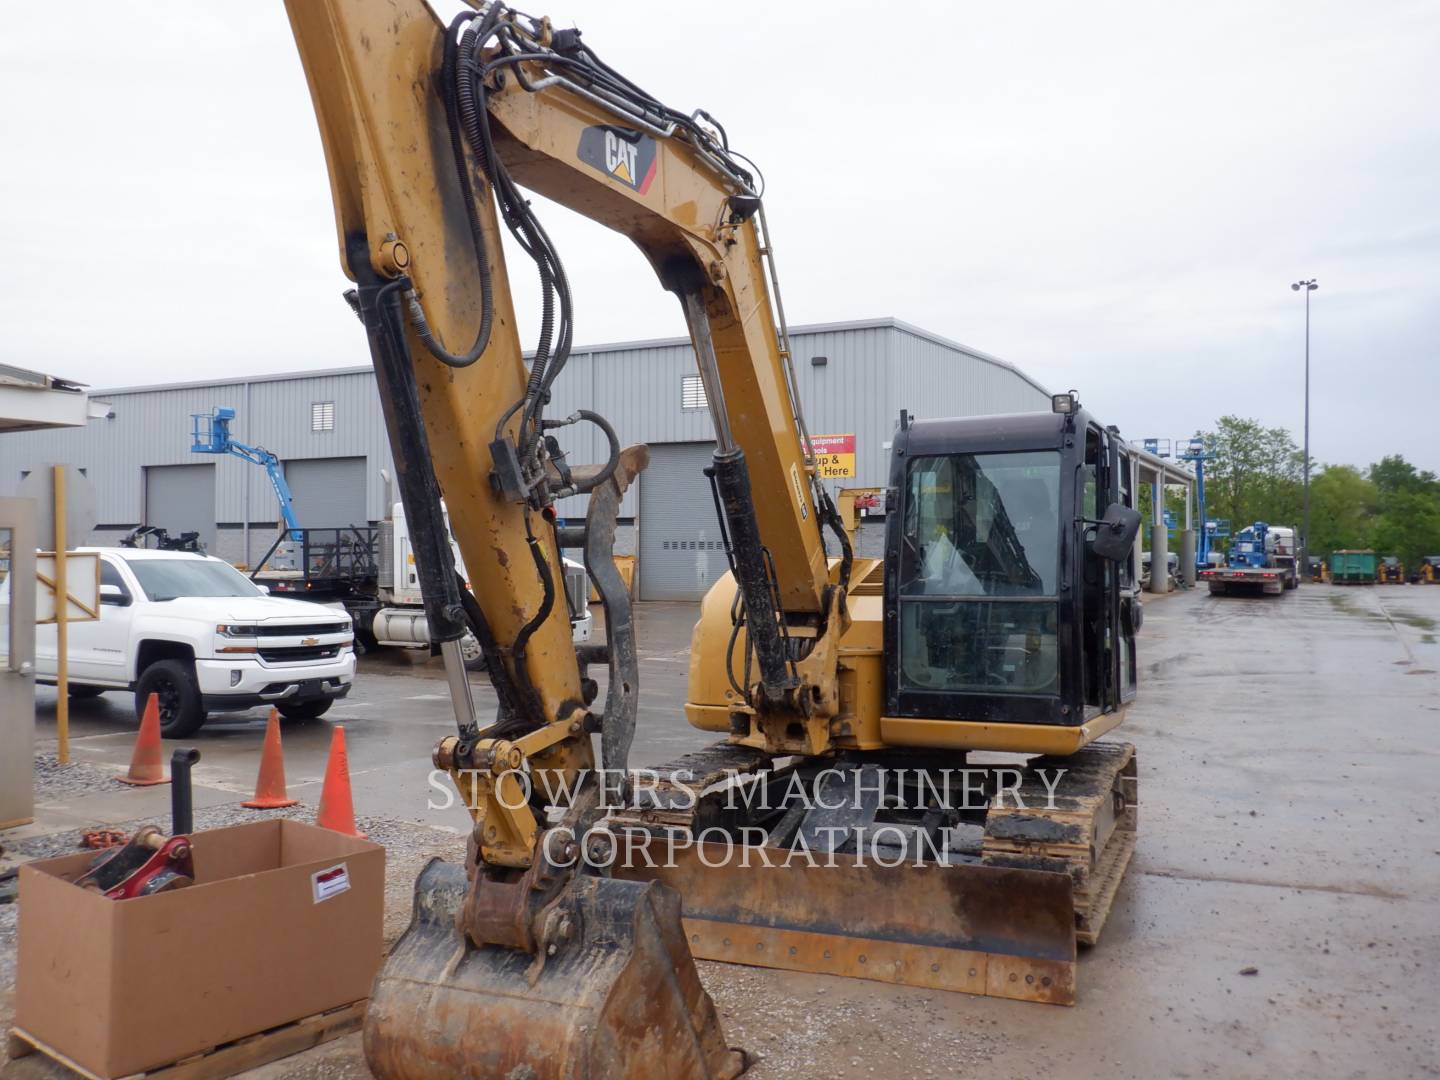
point(968, 927)
point(621, 998)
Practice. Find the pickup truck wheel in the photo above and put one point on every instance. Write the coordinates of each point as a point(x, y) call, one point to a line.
point(80, 693)
point(305, 710)
point(182, 710)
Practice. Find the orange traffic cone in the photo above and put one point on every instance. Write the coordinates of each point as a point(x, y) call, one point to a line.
point(337, 810)
point(270, 784)
point(146, 764)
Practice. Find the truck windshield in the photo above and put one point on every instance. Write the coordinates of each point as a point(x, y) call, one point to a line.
point(978, 572)
point(170, 579)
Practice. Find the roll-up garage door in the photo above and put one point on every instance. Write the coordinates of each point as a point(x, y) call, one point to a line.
point(681, 553)
point(181, 498)
point(329, 493)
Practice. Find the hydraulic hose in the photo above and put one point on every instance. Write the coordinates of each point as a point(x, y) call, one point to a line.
point(612, 459)
point(453, 120)
point(547, 604)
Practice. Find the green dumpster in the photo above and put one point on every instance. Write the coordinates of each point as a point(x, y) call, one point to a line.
point(1353, 567)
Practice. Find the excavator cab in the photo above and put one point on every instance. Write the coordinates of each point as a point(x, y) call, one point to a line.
point(1010, 582)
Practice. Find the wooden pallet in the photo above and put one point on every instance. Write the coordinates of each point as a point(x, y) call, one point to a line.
point(225, 1060)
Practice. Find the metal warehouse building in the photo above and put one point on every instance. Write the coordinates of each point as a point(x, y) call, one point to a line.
point(327, 429)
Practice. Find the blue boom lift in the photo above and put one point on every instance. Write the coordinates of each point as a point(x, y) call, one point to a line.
point(210, 434)
point(1196, 452)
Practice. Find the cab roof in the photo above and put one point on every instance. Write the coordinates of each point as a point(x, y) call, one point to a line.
point(994, 433)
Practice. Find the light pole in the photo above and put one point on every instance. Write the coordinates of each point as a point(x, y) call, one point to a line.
point(1308, 287)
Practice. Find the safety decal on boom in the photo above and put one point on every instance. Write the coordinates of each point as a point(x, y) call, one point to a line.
point(620, 153)
point(799, 492)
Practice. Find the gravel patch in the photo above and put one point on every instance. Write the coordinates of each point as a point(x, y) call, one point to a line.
point(9, 920)
point(55, 781)
point(841, 1027)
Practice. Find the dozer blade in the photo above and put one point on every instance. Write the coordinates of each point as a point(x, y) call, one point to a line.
point(620, 999)
point(972, 928)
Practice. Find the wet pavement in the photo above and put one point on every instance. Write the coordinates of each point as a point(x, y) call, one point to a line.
point(1288, 823)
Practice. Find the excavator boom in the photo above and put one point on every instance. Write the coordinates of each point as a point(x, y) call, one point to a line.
point(999, 618)
point(429, 132)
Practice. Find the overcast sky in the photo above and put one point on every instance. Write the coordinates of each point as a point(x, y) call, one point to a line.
point(1115, 197)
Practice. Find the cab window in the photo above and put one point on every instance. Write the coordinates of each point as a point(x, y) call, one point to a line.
point(978, 574)
point(110, 575)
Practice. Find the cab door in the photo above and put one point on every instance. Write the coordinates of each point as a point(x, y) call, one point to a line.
point(1108, 610)
point(1129, 580)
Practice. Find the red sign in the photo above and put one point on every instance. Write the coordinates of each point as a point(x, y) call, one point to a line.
point(834, 456)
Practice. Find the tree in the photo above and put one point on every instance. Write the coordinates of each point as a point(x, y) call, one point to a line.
point(1394, 474)
point(1409, 527)
point(1255, 475)
point(1408, 504)
point(1342, 508)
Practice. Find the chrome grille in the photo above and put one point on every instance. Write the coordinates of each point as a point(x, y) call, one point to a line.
point(299, 629)
point(297, 653)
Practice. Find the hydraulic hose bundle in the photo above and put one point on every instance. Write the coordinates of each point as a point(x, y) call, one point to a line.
point(477, 49)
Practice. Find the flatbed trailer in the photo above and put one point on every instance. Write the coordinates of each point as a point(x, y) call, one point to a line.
point(1270, 581)
point(1263, 558)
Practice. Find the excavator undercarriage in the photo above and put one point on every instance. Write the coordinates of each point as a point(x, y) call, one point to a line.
point(921, 869)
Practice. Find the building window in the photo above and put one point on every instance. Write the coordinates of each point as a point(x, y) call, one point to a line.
point(692, 393)
point(322, 416)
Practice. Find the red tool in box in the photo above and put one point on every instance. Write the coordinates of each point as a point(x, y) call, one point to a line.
point(152, 862)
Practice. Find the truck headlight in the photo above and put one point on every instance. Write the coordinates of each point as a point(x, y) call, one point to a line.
point(237, 630)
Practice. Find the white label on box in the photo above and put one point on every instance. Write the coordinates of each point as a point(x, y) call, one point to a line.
point(331, 882)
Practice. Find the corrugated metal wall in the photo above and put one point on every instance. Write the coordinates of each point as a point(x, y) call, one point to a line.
point(873, 369)
point(152, 427)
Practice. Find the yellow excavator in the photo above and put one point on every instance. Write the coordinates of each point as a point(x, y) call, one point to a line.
point(843, 820)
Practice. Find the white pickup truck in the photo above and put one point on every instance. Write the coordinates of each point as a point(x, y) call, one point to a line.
point(195, 631)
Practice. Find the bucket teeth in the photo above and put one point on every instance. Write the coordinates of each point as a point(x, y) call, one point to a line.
point(621, 997)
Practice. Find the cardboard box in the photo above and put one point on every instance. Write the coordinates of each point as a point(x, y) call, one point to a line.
point(284, 920)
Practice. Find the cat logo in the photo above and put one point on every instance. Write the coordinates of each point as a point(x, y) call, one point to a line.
point(621, 154)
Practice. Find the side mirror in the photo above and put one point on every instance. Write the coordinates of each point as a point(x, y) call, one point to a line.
point(114, 596)
point(1115, 533)
point(264, 589)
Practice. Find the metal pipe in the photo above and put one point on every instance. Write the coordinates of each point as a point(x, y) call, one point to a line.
point(1308, 285)
point(709, 367)
point(245, 509)
point(182, 801)
point(1305, 525)
point(462, 699)
point(62, 626)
